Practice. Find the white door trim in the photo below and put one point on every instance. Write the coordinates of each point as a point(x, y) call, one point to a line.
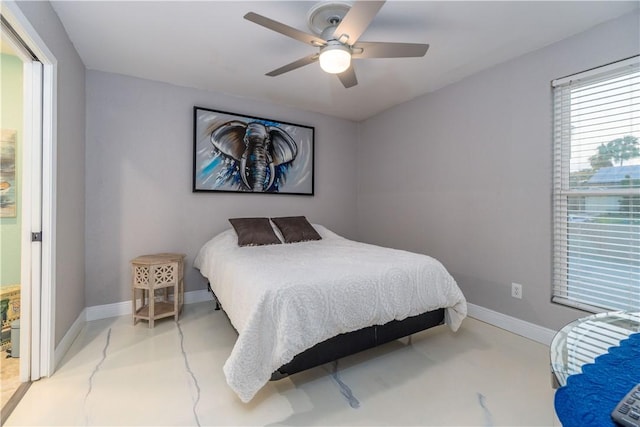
point(32, 208)
point(44, 293)
point(47, 330)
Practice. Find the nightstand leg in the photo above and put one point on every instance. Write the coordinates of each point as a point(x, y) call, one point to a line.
point(176, 297)
point(152, 303)
point(133, 302)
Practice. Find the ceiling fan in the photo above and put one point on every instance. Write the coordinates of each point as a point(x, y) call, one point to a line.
point(338, 27)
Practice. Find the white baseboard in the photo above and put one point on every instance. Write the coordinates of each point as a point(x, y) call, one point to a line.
point(520, 327)
point(197, 296)
point(68, 338)
point(105, 311)
point(123, 308)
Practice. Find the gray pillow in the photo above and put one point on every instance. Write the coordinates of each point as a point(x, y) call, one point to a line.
point(254, 231)
point(296, 229)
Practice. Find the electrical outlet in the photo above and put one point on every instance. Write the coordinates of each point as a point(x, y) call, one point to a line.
point(516, 290)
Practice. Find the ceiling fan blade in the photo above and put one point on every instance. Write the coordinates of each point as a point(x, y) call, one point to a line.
point(356, 21)
point(348, 78)
point(294, 65)
point(389, 50)
point(284, 29)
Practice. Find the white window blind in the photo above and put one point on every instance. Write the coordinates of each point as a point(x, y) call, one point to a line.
point(596, 189)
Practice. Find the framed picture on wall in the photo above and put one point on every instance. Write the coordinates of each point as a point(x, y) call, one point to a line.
point(243, 154)
point(8, 173)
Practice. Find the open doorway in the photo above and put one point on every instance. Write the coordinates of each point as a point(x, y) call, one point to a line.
point(26, 156)
point(11, 143)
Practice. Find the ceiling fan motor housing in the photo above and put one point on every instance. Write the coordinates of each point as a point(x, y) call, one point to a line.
point(326, 14)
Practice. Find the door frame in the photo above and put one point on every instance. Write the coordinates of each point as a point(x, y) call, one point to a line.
point(37, 325)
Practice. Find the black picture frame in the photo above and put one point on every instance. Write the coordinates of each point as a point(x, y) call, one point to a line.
point(235, 153)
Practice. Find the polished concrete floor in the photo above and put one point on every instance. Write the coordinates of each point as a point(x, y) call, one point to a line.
point(118, 374)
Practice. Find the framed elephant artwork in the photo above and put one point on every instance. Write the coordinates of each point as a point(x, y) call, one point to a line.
point(242, 154)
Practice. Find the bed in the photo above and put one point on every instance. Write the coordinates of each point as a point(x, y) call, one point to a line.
point(298, 305)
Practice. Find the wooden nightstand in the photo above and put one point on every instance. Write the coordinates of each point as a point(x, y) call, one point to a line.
point(157, 282)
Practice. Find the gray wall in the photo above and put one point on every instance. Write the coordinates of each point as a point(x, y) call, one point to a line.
point(69, 264)
point(465, 173)
point(139, 159)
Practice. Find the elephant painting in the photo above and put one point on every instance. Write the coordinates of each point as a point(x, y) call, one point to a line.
point(259, 149)
point(235, 153)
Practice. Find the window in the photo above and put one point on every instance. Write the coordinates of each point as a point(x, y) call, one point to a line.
point(596, 189)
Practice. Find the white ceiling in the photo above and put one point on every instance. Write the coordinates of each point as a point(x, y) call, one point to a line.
point(208, 45)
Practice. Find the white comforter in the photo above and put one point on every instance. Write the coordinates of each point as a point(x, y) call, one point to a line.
point(284, 299)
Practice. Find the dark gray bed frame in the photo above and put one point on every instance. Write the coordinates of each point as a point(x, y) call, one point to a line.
point(353, 342)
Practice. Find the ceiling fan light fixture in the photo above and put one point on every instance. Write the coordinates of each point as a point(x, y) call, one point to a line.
point(335, 58)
